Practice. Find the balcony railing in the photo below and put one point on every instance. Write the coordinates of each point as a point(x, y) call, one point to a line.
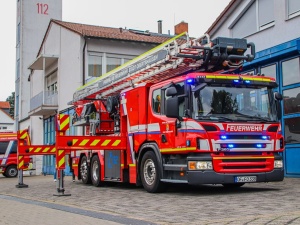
point(44, 99)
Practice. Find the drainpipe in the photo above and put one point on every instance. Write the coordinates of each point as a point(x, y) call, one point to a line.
point(83, 61)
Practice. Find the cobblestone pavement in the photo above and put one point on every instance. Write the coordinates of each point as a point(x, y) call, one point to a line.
point(260, 203)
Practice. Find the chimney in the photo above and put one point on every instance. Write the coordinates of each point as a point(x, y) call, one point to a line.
point(159, 26)
point(181, 27)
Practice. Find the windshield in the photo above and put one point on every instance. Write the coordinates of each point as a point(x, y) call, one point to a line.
point(233, 103)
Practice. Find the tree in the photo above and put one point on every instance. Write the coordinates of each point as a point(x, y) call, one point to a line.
point(11, 100)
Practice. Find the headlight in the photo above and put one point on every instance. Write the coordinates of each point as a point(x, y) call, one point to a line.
point(200, 165)
point(278, 164)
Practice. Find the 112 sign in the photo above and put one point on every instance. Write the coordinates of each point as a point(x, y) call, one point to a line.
point(42, 8)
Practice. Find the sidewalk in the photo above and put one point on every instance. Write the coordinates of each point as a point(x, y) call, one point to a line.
point(253, 204)
point(16, 212)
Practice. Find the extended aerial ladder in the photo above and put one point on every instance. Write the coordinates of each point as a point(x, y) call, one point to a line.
point(173, 57)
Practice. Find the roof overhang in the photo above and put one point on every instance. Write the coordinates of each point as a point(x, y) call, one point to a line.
point(43, 61)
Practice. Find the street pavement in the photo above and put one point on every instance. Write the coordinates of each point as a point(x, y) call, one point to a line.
point(260, 203)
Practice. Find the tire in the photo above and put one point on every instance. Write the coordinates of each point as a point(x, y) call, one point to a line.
point(11, 171)
point(150, 174)
point(85, 171)
point(236, 185)
point(96, 171)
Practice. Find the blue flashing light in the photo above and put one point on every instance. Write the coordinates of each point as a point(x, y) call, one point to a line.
point(264, 137)
point(258, 145)
point(223, 137)
point(230, 145)
point(190, 81)
point(236, 81)
point(247, 81)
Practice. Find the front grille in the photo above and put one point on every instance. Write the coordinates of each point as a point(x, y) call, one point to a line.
point(243, 163)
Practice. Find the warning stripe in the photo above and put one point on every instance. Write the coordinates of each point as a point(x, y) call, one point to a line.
point(42, 149)
point(95, 142)
point(61, 159)
point(21, 162)
point(23, 134)
point(64, 121)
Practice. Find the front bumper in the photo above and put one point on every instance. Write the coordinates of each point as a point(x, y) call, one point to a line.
point(211, 177)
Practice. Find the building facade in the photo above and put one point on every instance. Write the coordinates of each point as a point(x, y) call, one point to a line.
point(273, 26)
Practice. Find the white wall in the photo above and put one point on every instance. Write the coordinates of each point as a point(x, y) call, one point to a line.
point(283, 30)
point(70, 67)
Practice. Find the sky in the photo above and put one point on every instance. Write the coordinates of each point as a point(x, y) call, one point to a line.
point(130, 14)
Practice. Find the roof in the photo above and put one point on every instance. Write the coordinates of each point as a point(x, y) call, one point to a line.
point(4, 105)
point(113, 33)
point(92, 31)
point(5, 117)
point(221, 16)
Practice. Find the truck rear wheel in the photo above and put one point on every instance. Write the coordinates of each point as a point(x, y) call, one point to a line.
point(85, 171)
point(96, 171)
point(11, 171)
point(150, 174)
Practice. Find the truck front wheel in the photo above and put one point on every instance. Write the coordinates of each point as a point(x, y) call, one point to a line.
point(11, 171)
point(96, 171)
point(85, 171)
point(150, 174)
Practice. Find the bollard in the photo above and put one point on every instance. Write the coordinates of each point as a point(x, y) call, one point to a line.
point(20, 180)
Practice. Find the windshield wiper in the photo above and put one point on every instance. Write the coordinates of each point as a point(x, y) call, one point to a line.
point(210, 117)
point(253, 117)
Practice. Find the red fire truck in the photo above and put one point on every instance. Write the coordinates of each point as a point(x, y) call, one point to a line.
point(180, 114)
point(8, 155)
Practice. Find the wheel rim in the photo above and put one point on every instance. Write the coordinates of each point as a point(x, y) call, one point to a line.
point(149, 172)
point(12, 172)
point(84, 170)
point(95, 171)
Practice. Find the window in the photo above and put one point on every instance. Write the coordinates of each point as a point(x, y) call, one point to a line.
point(156, 97)
point(51, 82)
point(293, 8)
point(292, 130)
point(258, 16)
point(291, 71)
point(101, 63)
point(17, 105)
point(18, 69)
point(49, 130)
point(95, 65)
point(18, 33)
point(291, 101)
point(269, 71)
point(112, 63)
point(11, 146)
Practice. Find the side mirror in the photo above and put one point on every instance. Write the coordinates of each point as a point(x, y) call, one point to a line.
point(172, 107)
point(171, 91)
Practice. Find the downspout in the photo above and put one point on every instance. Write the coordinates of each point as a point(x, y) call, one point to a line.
point(83, 61)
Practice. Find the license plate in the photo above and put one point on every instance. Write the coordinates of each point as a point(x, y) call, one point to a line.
point(245, 179)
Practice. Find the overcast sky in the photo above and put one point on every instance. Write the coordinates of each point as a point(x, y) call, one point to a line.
point(131, 14)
